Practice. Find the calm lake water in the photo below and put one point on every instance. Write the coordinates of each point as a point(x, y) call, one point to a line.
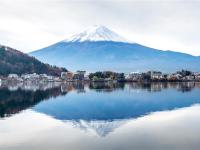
point(100, 116)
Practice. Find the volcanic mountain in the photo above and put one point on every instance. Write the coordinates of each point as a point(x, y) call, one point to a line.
point(98, 48)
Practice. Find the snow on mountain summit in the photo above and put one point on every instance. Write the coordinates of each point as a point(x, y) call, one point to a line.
point(96, 33)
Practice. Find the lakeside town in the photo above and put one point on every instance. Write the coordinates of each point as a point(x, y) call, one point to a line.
point(105, 76)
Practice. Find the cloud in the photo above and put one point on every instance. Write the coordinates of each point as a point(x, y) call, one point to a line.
point(33, 24)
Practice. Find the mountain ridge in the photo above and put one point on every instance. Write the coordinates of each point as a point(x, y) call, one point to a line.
point(116, 56)
point(14, 61)
point(113, 55)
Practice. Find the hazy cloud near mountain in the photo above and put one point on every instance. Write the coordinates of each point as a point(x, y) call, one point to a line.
point(33, 24)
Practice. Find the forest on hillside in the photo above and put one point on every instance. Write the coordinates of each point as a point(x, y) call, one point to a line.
point(13, 61)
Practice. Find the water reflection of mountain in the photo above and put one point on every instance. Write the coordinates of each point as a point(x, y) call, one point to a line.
point(100, 101)
point(101, 128)
point(126, 101)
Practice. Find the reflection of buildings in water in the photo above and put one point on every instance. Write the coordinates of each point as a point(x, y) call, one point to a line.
point(43, 86)
point(67, 87)
point(158, 86)
point(151, 87)
point(106, 86)
point(155, 87)
point(110, 86)
point(73, 86)
point(97, 86)
point(183, 86)
point(186, 86)
point(81, 87)
point(32, 86)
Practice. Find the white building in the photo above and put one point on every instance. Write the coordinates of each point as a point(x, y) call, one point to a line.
point(33, 76)
point(13, 76)
point(155, 74)
point(133, 76)
point(67, 76)
point(174, 76)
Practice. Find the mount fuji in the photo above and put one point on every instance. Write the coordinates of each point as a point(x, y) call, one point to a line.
point(96, 33)
point(98, 48)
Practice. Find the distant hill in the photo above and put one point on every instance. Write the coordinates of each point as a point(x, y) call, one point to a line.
point(13, 61)
point(98, 48)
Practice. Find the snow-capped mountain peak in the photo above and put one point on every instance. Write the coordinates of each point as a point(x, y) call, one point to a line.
point(96, 33)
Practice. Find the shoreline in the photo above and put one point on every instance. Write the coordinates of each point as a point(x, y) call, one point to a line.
point(97, 81)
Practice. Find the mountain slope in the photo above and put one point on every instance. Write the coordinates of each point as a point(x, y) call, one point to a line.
point(13, 61)
point(106, 53)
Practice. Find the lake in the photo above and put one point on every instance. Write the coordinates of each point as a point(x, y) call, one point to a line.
point(100, 116)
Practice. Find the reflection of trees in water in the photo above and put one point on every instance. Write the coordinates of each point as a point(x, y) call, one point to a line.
point(159, 86)
point(17, 97)
point(106, 86)
point(183, 86)
point(149, 86)
point(12, 102)
point(186, 86)
point(79, 87)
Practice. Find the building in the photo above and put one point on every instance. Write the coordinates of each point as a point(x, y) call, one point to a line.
point(33, 76)
point(155, 74)
point(197, 76)
point(81, 72)
point(67, 76)
point(13, 76)
point(133, 76)
point(79, 75)
point(189, 78)
point(174, 77)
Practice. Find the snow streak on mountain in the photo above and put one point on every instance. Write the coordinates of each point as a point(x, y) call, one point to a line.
point(96, 33)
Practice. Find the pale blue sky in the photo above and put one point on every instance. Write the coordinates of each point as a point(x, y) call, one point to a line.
point(165, 24)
